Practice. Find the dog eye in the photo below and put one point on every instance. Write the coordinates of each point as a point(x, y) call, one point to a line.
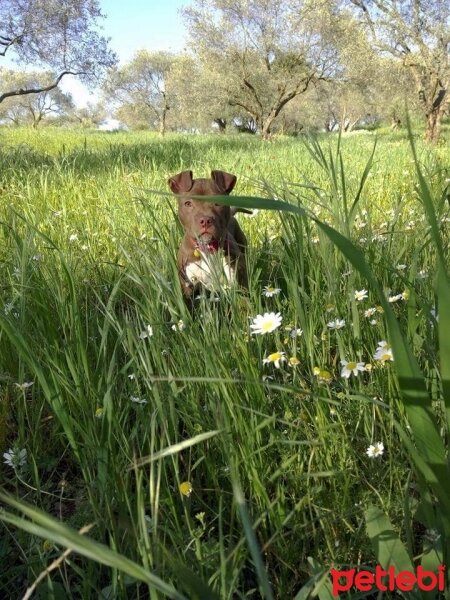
point(188, 203)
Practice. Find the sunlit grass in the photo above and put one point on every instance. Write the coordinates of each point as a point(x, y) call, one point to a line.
point(88, 266)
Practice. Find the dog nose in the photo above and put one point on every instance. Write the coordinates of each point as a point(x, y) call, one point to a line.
point(206, 221)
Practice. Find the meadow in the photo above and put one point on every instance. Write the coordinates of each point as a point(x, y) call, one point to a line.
point(199, 459)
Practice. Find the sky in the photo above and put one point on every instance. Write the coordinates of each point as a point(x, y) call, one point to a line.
point(133, 25)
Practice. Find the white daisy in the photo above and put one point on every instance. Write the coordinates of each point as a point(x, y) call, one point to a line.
point(148, 332)
point(369, 312)
point(276, 358)
point(361, 295)
point(349, 367)
point(383, 352)
point(269, 291)
point(266, 323)
point(337, 324)
point(395, 298)
point(375, 450)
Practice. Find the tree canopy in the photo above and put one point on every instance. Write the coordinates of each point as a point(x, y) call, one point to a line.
point(58, 35)
point(416, 32)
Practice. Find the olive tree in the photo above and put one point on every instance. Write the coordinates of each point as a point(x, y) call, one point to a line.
point(58, 35)
point(139, 90)
point(417, 33)
point(261, 54)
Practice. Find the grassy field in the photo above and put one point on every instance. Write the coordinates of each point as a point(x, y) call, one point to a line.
point(204, 470)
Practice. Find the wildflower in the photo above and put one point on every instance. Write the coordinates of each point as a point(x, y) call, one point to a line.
point(400, 267)
point(268, 291)
point(266, 323)
point(131, 376)
point(383, 352)
point(180, 326)
point(373, 321)
point(395, 298)
point(422, 274)
point(186, 488)
point(148, 332)
point(99, 412)
point(361, 295)
point(405, 295)
point(337, 324)
point(293, 361)
point(24, 386)
point(369, 312)
point(73, 237)
point(15, 458)
point(322, 375)
point(295, 333)
point(138, 400)
point(375, 450)
point(380, 309)
point(351, 367)
point(276, 358)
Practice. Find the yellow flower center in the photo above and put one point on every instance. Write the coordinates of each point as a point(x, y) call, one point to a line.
point(267, 326)
point(275, 356)
point(350, 366)
point(325, 376)
point(186, 488)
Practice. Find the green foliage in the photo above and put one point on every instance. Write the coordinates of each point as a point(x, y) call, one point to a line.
point(207, 471)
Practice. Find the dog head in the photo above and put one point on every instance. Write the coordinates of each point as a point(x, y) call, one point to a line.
point(203, 221)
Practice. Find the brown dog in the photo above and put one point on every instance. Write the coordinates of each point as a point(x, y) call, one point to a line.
point(212, 252)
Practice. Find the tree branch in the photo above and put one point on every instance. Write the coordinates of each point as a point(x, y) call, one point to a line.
point(8, 42)
point(253, 92)
point(47, 88)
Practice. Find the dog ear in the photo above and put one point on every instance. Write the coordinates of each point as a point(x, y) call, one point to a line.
point(224, 181)
point(181, 183)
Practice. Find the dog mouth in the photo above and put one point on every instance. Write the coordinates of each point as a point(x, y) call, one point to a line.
point(206, 235)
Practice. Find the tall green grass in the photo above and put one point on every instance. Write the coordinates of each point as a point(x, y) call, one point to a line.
point(115, 422)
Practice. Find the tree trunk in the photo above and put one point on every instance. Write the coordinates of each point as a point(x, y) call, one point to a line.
point(267, 124)
point(434, 122)
point(221, 124)
point(162, 123)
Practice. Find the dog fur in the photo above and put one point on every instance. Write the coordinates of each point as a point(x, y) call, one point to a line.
point(212, 251)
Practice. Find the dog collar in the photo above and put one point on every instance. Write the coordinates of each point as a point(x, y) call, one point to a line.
point(209, 247)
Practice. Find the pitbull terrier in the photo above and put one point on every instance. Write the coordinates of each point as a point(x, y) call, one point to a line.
point(212, 252)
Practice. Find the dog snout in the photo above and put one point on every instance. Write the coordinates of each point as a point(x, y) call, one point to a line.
point(206, 221)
